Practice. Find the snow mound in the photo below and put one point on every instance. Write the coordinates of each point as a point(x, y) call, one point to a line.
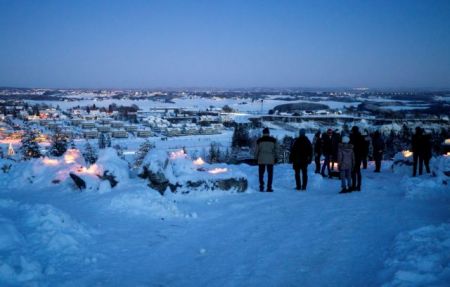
point(420, 258)
point(146, 203)
point(425, 187)
point(35, 239)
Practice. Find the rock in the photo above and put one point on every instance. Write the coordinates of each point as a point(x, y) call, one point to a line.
point(80, 183)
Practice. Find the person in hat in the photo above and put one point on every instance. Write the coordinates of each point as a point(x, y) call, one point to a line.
point(378, 148)
point(266, 156)
point(301, 157)
point(346, 163)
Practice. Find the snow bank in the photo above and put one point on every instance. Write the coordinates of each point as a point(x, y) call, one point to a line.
point(420, 258)
point(427, 186)
point(35, 239)
point(146, 203)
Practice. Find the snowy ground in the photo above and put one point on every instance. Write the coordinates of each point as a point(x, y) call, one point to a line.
point(389, 234)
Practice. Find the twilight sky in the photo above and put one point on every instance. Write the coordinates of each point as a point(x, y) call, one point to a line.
point(168, 43)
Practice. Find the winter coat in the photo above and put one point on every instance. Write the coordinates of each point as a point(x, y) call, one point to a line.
point(378, 144)
point(335, 140)
point(317, 142)
point(366, 146)
point(346, 157)
point(427, 146)
point(327, 146)
point(417, 143)
point(301, 152)
point(358, 142)
point(266, 150)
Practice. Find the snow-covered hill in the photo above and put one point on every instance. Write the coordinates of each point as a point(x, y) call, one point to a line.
point(395, 232)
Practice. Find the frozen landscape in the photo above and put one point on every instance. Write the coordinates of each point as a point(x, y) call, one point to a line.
point(395, 232)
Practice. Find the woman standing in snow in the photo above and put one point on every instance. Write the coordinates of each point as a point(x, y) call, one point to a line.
point(346, 163)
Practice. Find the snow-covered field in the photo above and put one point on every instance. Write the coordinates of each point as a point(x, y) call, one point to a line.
point(395, 232)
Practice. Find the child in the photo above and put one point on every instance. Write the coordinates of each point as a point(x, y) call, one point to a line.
point(346, 162)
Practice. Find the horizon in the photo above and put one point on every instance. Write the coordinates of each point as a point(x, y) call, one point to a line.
point(382, 45)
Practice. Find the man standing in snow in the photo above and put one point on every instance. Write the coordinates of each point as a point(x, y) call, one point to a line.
point(327, 150)
point(317, 142)
point(266, 156)
point(357, 140)
point(378, 148)
point(301, 157)
point(346, 163)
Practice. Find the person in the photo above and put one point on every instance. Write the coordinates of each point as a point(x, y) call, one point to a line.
point(417, 149)
point(357, 140)
point(427, 151)
point(335, 140)
point(317, 143)
point(378, 149)
point(327, 149)
point(301, 157)
point(266, 156)
point(366, 148)
point(346, 163)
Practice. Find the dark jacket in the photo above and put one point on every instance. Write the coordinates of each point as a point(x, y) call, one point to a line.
point(358, 142)
point(266, 150)
point(301, 152)
point(417, 143)
point(317, 142)
point(378, 144)
point(335, 140)
point(327, 145)
point(427, 146)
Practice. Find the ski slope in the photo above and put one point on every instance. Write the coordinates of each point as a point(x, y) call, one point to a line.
point(391, 234)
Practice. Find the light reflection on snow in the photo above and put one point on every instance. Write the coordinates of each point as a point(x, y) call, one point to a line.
point(407, 153)
point(50, 161)
point(199, 161)
point(218, 170)
point(177, 154)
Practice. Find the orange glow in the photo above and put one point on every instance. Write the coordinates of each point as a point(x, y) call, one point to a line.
point(71, 156)
point(447, 154)
point(50, 161)
point(199, 161)
point(447, 142)
point(218, 170)
point(10, 141)
point(93, 170)
point(177, 154)
point(407, 153)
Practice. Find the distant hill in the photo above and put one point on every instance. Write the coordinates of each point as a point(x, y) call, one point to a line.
point(297, 107)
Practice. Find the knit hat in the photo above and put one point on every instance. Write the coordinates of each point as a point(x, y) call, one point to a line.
point(345, 139)
point(355, 129)
point(302, 132)
point(266, 131)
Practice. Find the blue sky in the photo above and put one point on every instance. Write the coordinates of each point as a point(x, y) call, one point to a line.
point(148, 44)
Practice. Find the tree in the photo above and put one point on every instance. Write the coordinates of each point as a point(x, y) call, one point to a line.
point(59, 144)
point(214, 153)
point(227, 109)
point(30, 147)
point(240, 137)
point(102, 141)
point(89, 154)
point(144, 148)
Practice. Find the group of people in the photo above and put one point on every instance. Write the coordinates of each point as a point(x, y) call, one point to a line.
point(349, 151)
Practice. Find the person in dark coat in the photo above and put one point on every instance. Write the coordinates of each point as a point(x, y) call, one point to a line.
point(378, 149)
point(327, 150)
point(301, 157)
point(357, 140)
point(366, 148)
point(418, 150)
point(427, 151)
point(317, 144)
point(266, 156)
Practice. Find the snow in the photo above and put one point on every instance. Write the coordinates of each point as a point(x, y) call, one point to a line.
point(392, 233)
point(420, 257)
